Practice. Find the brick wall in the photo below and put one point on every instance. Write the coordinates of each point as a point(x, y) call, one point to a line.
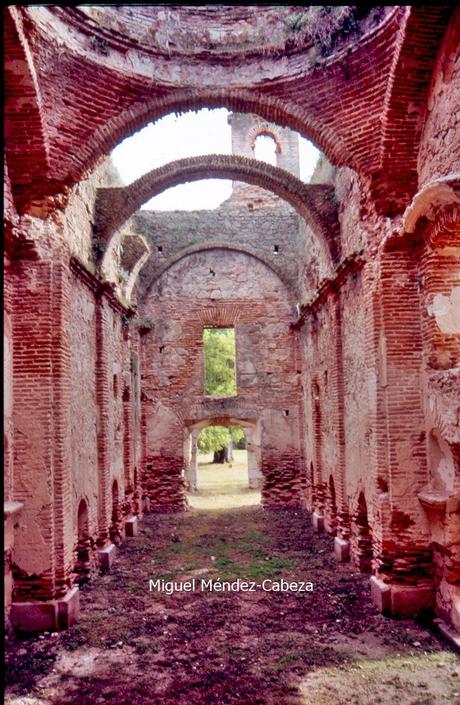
point(357, 396)
point(259, 231)
point(84, 425)
point(242, 293)
point(439, 152)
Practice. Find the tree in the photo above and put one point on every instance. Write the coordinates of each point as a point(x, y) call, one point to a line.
point(219, 355)
point(213, 438)
point(220, 381)
point(220, 440)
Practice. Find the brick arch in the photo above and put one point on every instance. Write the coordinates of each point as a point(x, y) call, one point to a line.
point(314, 202)
point(83, 518)
point(396, 179)
point(351, 105)
point(194, 249)
point(22, 105)
point(268, 131)
point(272, 109)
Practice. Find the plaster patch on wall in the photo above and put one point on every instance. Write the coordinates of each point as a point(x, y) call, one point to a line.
point(407, 468)
point(446, 310)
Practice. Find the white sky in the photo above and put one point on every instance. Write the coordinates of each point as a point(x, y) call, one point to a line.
point(189, 135)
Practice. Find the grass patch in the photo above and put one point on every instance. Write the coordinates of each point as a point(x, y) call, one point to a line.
point(252, 570)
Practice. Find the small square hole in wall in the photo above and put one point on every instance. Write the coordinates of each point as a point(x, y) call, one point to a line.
point(286, 412)
point(276, 249)
point(160, 248)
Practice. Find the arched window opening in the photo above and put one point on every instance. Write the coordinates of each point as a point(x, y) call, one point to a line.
point(265, 149)
point(115, 529)
point(82, 520)
point(361, 536)
point(84, 548)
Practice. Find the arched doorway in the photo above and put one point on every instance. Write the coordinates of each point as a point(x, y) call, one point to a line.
point(83, 562)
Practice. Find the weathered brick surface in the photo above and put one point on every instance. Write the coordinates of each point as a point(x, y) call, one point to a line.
point(84, 426)
point(347, 337)
point(314, 202)
point(350, 88)
point(8, 433)
point(256, 232)
point(439, 152)
point(235, 290)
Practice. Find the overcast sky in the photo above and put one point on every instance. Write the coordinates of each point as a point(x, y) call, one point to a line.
point(174, 137)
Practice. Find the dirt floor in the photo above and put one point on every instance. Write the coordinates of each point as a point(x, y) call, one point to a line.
point(329, 646)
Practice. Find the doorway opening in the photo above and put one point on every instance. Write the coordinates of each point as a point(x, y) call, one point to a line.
point(225, 468)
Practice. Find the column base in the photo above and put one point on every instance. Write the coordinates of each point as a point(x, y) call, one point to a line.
point(54, 615)
point(411, 600)
point(381, 595)
point(448, 633)
point(131, 526)
point(106, 557)
point(318, 521)
point(401, 600)
point(341, 549)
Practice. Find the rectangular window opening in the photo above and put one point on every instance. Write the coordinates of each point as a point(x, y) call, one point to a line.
point(219, 362)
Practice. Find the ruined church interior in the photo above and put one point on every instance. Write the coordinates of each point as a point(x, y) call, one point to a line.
point(340, 292)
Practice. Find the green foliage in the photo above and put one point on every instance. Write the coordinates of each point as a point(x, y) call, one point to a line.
point(214, 438)
point(219, 352)
point(220, 381)
point(237, 434)
point(323, 23)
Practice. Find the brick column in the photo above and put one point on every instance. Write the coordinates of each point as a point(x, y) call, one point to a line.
point(43, 554)
point(8, 382)
point(378, 467)
point(404, 559)
point(61, 295)
point(319, 486)
point(128, 399)
point(103, 394)
point(337, 381)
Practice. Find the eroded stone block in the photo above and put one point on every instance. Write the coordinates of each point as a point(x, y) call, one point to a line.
point(68, 608)
point(34, 616)
point(411, 600)
point(131, 526)
point(381, 594)
point(106, 557)
point(449, 633)
point(341, 549)
point(318, 521)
